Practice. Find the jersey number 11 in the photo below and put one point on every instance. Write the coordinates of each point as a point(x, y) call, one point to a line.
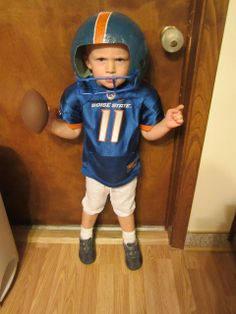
point(116, 125)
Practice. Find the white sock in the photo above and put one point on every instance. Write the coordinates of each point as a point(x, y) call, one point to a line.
point(86, 233)
point(129, 237)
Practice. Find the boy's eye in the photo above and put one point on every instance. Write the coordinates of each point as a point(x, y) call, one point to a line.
point(118, 60)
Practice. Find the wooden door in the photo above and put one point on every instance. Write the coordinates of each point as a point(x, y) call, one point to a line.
point(40, 179)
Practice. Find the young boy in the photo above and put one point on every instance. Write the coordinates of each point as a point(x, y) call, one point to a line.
point(109, 55)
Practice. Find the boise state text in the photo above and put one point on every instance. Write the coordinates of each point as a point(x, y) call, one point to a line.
point(111, 105)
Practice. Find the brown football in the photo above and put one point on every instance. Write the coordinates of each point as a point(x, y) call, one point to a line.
point(34, 111)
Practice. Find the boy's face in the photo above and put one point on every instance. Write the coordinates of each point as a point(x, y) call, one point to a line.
point(108, 60)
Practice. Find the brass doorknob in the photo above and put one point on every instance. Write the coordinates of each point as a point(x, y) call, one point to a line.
point(172, 39)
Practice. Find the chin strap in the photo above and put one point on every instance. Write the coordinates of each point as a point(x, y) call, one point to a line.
point(89, 86)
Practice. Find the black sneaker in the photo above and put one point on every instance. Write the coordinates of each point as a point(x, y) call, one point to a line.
point(133, 257)
point(87, 253)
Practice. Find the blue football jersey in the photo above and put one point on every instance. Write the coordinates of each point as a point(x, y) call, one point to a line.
point(111, 123)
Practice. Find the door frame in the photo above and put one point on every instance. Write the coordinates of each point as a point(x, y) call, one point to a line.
point(207, 20)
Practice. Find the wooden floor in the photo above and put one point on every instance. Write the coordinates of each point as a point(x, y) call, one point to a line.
point(52, 280)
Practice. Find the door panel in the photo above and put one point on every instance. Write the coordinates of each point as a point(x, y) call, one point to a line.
point(40, 178)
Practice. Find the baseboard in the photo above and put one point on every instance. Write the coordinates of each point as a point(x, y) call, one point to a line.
point(70, 234)
point(150, 235)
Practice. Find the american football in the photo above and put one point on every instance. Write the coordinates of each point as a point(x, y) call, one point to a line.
point(34, 111)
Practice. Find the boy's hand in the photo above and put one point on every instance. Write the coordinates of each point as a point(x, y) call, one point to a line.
point(174, 117)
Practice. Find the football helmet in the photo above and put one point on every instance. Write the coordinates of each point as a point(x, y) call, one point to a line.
point(110, 28)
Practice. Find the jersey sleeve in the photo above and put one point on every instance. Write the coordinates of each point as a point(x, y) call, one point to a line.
point(151, 112)
point(70, 108)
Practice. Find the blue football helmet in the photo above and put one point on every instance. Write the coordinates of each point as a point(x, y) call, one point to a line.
point(110, 28)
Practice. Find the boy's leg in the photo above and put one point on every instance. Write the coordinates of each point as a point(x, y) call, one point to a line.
point(128, 228)
point(93, 203)
point(87, 252)
point(133, 257)
point(87, 224)
point(127, 223)
point(123, 202)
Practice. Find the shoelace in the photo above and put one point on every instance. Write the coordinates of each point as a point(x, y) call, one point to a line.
point(86, 245)
point(132, 249)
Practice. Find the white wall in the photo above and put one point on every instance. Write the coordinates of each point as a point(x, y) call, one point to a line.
point(214, 202)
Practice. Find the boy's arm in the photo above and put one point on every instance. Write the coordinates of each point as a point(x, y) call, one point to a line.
point(173, 119)
point(60, 128)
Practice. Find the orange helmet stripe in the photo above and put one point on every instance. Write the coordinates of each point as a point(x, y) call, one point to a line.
point(101, 27)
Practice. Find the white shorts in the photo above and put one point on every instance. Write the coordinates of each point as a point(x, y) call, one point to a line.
point(122, 198)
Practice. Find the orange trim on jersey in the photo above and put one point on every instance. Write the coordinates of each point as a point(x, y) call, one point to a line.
point(101, 27)
point(74, 126)
point(146, 127)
